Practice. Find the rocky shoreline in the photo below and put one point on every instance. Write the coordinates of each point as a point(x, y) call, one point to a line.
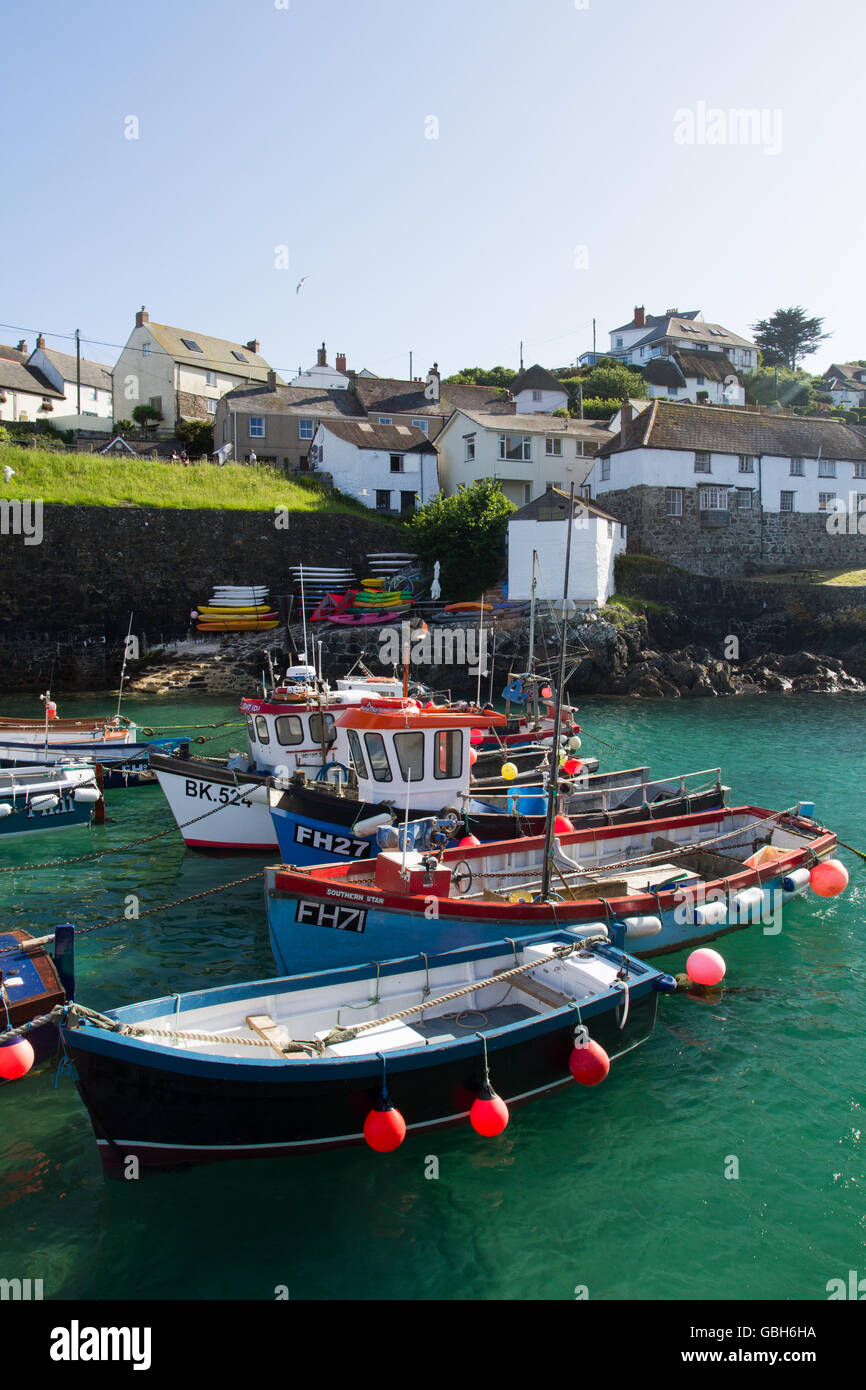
point(636, 657)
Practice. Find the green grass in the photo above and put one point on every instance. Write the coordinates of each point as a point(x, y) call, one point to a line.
point(840, 578)
point(622, 608)
point(93, 481)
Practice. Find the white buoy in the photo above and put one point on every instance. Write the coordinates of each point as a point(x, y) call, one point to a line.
point(371, 824)
point(5, 809)
point(86, 794)
point(637, 927)
point(44, 803)
point(709, 914)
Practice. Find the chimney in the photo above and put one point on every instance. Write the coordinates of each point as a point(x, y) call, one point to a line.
point(142, 317)
point(341, 362)
point(22, 346)
point(625, 415)
point(433, 383)
point(639, 316)
point(272, 379)
point(253, 345)
point(40, 343)
point(321, 357)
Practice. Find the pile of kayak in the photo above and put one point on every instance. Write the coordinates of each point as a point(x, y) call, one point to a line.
point(373, 603)
point(236, 608)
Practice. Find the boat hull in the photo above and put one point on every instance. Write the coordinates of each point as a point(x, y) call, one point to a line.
point(215, 809)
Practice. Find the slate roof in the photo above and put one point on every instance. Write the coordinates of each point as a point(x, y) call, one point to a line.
point(594, 430)
point(536, 378)
point(92, 373)
point(554, 499)
point(292, 400)
point(393, 396)
point(13, 354)
point(843, 373)
point(16, 376)
point(216, 353)
point(652, 320)
point(367, 435)
point(668, 425)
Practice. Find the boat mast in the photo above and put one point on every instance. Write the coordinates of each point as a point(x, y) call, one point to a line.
point(553, 773)
point(123, 667)
point(303, 615)
point(480, 640)
point(531, 661)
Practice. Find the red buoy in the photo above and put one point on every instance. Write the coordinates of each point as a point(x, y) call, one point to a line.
point(489, 1113)
point(476, 736)
point(546, 693)
point(589, 1064)
point(384, 1127)
point(51, 710)
point(473, 757)
point(16, 1059)
point(572, 766)
point(829, 878)
point(468, 842)
point(562, 825)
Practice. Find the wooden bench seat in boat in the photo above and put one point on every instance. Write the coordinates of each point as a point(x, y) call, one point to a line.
point(706, 863)
point(553, 997)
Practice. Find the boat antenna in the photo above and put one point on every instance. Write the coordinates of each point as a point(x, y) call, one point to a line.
point(480, 642)
point(126, 646)
point(303, 616)
point(553, 771)
point(531, 657)
point(406, 821)
point(271, 670)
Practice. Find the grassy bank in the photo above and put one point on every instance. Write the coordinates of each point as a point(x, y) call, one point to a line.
point(93, 481)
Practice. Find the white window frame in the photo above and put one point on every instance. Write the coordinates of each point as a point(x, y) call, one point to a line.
point(790, 505)
point(826, 468)
point(747, 463)
point(255, 431)
point(209, 377)
point(702, 456)
point(798, 467)
point(536, 395)
point(306, 428)
point(553, 445)
point(706, 495)
point(860, 470)
point(826, 501)
point(211, 407)
point(605, 470)
point(423, 425)
point(469, 441)
point(744, 499)
point(525, 455)
point(674, 501)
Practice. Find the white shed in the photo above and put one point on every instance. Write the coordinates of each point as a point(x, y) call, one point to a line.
point(542, 527)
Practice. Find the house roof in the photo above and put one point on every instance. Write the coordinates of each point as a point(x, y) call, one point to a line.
point(594, 430)
point(92, 373)
point(17, 376)
point(13, 354)
point(689, 327)
point(366, 435)
point(291, 400)
point(652, 320)
point(216, 353)
point(394, 396)
point(673, 370)
point(843, 373)
point(553, 505)
point(668, 425)
point(536, 378)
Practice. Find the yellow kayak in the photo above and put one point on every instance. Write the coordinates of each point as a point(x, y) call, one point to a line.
point(210, 611)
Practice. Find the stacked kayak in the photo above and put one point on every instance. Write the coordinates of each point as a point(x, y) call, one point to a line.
point(368, 606)
point(236, 608)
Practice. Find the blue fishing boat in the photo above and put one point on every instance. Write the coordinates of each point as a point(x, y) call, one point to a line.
point(659, 886)
point(329, 1059)
point(33, 984)
point(34, 800)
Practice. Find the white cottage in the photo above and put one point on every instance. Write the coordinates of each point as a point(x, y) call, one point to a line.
point(542, 528)
point(86, 388)
point(537, 390)
point(524, 453)
point(390, 468)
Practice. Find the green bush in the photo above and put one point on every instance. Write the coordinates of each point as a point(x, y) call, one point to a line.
point(197, 436)
point(466, 533)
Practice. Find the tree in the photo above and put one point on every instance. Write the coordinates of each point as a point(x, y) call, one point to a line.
point(787, 336)
point(197, 435)
point(607, 380)
point(145, 415)
point(790, 389)
point(483, 376)
point(466, 532)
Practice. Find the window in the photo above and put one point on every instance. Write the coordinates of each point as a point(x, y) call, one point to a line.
point(553, 446)
point(396, 463)
point(747, 463)
point(190, 344)
point(378, 757)
point(316, 729)
point(94, 395)
point(673, 390)
point(702, 461)
point(826, 501)
point(423, 425)
point(469, 440)
point(605, 470)
point(744, 499)
point(536, 395)
point(517, 447)
point(798, 468)
point(210, 378)
point(211, 407)
point(786, 501)
point(610, 530)
point(447, 753)
point(251, 729)
point(146, 347)
point(238, 356)
point(713, 499)
point(619, 342)
point(383, 500)
point(550, 482)
point(410, 754)
point(257, 427)
point(585, 491)
point(826, 468)
point(385, 420)
point(527, 493)
point(262, 731)
point(306, 429)
point(861, 502)
point(357, 753)
point(289, 729)
point(156, 402)
point(700, 380)
point(674, 501)
point(860, 470)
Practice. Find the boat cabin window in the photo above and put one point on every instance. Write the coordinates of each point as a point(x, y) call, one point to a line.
point(316, 729)
point(410, 754)
point(357, 754)
point(378, 757)
point(448, 753)
point(289, 729)
point(264, 733)
point(251, 728)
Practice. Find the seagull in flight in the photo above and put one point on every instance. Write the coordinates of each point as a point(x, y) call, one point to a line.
point(300, 282)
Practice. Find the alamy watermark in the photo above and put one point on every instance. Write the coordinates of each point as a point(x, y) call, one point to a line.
point(21, 517)
point(738, 125)
point(438, 646)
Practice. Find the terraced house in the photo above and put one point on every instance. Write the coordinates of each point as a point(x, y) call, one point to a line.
point(181, 372)
point(732, 491)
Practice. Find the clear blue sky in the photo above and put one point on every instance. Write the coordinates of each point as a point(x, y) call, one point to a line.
point(261, 126)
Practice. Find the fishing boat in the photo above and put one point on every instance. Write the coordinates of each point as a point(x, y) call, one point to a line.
point(32, 984)
point(300, 1064)
point(34, 800)
point(660, 886)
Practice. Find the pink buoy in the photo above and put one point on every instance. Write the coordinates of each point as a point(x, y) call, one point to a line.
point(16, 1059)
point(572, 766)
point(562, 825)
point(468, 842)
point(384, 1127)
point(473, 757)
point(489, 1113)
point(705, 967)
point(828, 879)
point(589, 1064)
point(476, 736)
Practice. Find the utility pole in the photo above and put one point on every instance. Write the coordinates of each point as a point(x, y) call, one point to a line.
point(580, 397)
point(78, 368)
point(411, 378)
point(593, 342)
point(521, 354)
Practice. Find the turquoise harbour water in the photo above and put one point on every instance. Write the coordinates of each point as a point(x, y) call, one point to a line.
point(621, 1189)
